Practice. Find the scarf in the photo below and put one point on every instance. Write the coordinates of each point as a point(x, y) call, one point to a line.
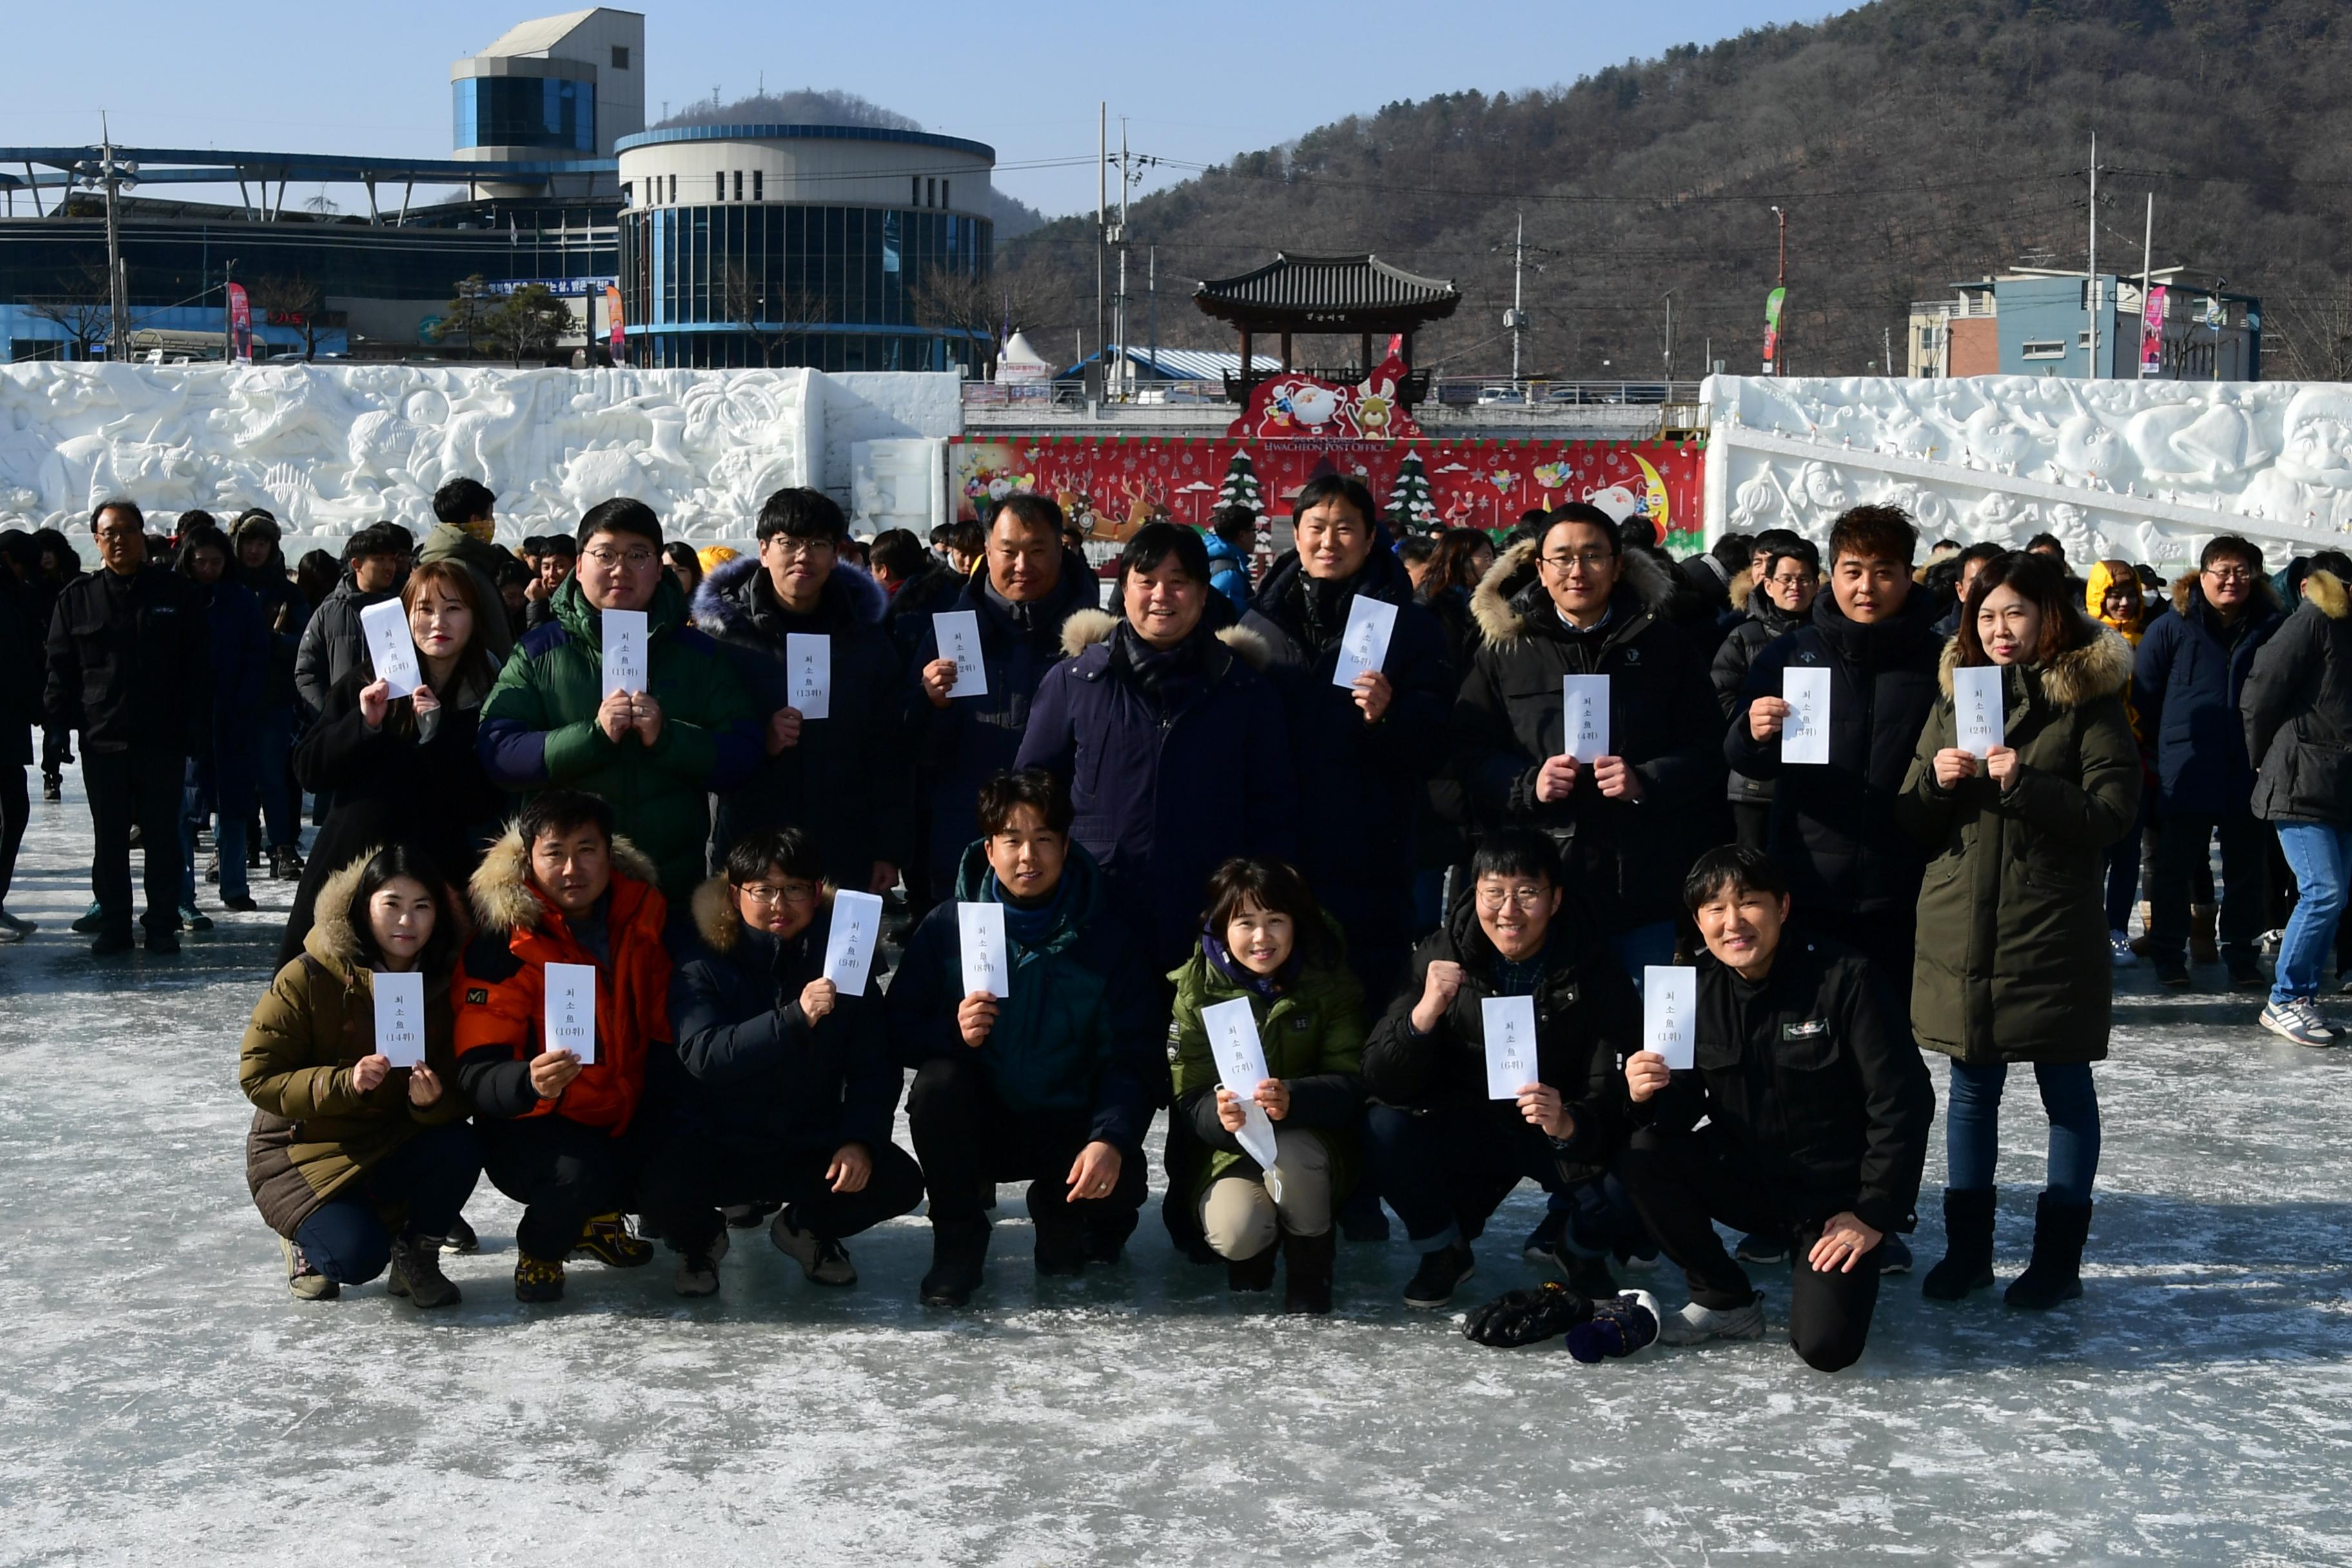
point(1166, 676)
point(1268, 987)
point(1029, 922)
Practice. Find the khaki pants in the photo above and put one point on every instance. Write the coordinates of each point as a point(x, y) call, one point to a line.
point(1242, 1220)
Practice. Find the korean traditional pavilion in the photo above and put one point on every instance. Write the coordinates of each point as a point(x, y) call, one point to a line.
point(1358, 296)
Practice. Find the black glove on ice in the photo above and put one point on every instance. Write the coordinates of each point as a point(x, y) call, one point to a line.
point(1525, 1317)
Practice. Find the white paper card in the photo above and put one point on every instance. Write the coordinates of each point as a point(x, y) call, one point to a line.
point(958, 635)
point(1805, 733)
point(1976, 714)
point(1365, 643)
point(1510, 1023)
point(1670, 1014)
point(389, 649)
point(1241, 1067)
point(850, 945)
point(571, 1021)
point(808, 673)
point(625, 651)
point(400, 1019)
point(1584, 709)
point(987, 966)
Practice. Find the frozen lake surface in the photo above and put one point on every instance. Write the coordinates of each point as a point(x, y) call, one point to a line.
point(164, 1399)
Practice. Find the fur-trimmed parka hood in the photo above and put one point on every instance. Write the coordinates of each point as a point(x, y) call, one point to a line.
point(2326, 589)
point(2187, 595)
point(727, 602)
point(1510, 590)
point(1084, 628)
point(721, 925)
point(331, 940)
point(2098, 665)
point(503, 899)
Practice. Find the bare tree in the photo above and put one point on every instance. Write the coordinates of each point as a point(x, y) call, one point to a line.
point(84, 307)
point(2311, 325)
point(300, 301)
point(987, 308)
point(773, 318)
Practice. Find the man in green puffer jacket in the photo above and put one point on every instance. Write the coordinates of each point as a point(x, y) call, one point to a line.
point(655, 757)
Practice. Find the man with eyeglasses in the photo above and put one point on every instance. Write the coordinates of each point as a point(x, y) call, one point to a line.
point(1444, 1154)
point(129, 666)
point(844, 779)
point(1787, 578)
point(1630, 823)
point(655, 756)
point(2186, 688)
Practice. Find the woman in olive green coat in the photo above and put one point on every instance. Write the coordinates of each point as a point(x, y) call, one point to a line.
point(2014, 960)
point(358, 1164)
point(1265, 940)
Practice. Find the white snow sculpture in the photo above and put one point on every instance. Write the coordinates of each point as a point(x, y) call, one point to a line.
point(2145, 470)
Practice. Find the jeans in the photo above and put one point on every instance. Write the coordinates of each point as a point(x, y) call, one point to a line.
point(281, 803)
point(2181, 843)
point(228, 840)
point(1972, 1127)
point(142, 787)
point(2320, 854)
point(433, 1174)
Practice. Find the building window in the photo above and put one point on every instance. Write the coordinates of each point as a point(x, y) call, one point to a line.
point(916, 199)
point(943, 193)
point(930, 193)
point(620, 57)
point(759, 178)
point(2042, 348)
point(722, 184)
point(626, 191)
point(739, 184)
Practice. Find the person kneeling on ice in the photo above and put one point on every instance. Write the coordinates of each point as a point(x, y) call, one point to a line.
point(789, 1086)
point(1055, 1081)
point(1816, 1107)
point(341, 1138)
point(1264, 938)
point(1446, 1153)
point(560, 888)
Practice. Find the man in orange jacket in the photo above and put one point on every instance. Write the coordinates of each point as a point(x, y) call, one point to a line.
point(559, 888)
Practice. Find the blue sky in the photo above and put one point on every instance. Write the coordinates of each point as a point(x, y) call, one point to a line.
point(1198, 82)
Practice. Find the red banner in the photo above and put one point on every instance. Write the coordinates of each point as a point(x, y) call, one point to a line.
point(1111, 486)
point(613, 314)
point(240, 325)
point(1289, 406)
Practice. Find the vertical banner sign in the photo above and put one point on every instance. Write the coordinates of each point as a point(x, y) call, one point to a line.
point(240, 325)
point(612, 316)
point(1772, 303)
point(2151, 332)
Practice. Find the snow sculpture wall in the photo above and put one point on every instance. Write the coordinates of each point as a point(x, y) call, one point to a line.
point(331, 449)
point(2143, 470)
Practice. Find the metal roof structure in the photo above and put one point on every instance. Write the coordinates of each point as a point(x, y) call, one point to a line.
point(538, 36)
point(1178, 365)
point(1328, 293)
point(65, 169)
point(803, 133)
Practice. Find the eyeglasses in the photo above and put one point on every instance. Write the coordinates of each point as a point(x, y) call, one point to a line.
point(1591, 559)
point(801, 549)
point(1529, 900)
point(768, 898)
point(2229, 573)
point(635, 559)
point(1787, 581)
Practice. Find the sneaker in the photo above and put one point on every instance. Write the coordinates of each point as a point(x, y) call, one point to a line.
point(1761, 1247)
point(1543, 1242)
point(164, 943)
point(2119, 945)
point(1893, 1255)
point(1694, 1324)
point(607, 1240)
point(461, 1241)
point(13, 929)
point(698, 1274)
point(111, 942)
point(1441, 1273)
point(820, 1256)
point(538, 1279)
point(2270, 942)
point(2245, 974)
point(242, 903)
point(195, 919)
point(2171, 974)
point(415, 1272)
point(2298, 1022)
point(92, 921)
point(306, 1283)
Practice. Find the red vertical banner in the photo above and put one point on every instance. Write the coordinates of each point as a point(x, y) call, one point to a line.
point(241, 326)
point(613, 315)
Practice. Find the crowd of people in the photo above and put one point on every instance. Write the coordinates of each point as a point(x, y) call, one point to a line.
point(1863, 806)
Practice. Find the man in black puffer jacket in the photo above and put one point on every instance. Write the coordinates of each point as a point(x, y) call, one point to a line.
point(1779, 601)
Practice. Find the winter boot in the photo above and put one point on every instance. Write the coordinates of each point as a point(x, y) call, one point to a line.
point(820, 1257)
point(1441, 1273)
point(1967, 1245)
point(538, 1279)
point(606, 1239)
point(461, 1239)
point(2055, 1274)
point(1244, 1275)
point(1306, 1262)
point(2203, 944)
point(1061, 1250)
point(415, 1272)
point(959, 1251)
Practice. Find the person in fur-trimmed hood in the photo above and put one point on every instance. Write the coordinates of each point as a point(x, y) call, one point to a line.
point(2013, 966)
point(561, 888)
point(1630, 823)
point(847, 778)
point(1170, 739)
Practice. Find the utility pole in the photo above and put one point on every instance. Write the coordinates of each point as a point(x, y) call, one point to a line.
point(1670, 340)
point(1781, 331)
point(118, 348)
point(1126, 364)
point(1151, 286)
point(2090, 290)
point(1518, 319)
point(2147, 258)
point(1886, 343)
point(1102, 237)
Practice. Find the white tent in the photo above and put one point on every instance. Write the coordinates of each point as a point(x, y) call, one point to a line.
point(1021, 361)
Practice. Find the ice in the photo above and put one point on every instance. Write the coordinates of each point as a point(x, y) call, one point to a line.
point(161, 1398)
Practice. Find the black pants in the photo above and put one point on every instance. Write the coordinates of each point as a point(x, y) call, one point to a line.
point(969, 1140)
point(1751, 824)
point(688, 1175)
point(56, 750)
point(141, 787)
point(15, 810)
point(1684, 1182)
point(563, 1173)
point(2182, 844)
point(1445, 1170)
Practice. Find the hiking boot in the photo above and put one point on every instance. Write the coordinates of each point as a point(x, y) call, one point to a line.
point(1544, 1241)
point(2245, 974)
point(538, 1279)
point(2299, 1023)
point(2171, 974)
point(91, 920)
point(162, 942)
point(959, 1250)
point(306, 1283)
point(820, 1256)
point(1694, 1324)
point(415, 1272)
point(606, 1239)
point(1893, 1255)
point(195, 919)
point(111, 940)
point(1307, 1263)
point(212, 867)
point(242, 903)
point(1967, 1263)
point(1061, 1250)
point(1244, 1275)
point(1759, 1246)
point(698, 1273)
point(1441, 1273)
point(461, 1241)
point(285, 863)
point(2055, 1273)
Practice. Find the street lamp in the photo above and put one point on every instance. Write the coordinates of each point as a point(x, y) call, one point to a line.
point(1669, 297)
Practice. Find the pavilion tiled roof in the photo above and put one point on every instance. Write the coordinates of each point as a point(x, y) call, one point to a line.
point(1324, 290)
